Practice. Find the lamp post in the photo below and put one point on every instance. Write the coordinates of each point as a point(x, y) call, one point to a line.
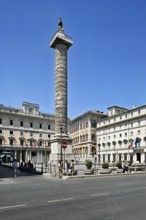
point(61, 155)
point(60, 164)
point(64, 160)
point(45, 156)
point(95, 161)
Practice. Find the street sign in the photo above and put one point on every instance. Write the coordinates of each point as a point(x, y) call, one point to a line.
point(64, 144)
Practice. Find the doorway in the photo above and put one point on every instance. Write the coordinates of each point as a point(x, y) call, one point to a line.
point(138, 157)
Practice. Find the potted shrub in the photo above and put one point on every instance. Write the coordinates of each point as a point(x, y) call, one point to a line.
point(105, 169)
point(88, 164)
point(105, 165)
point(119, 167)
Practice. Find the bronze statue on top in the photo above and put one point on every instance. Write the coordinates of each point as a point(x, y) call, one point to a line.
point(60, 25)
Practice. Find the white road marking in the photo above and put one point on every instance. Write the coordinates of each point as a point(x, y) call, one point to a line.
point(13, 206)
point(100, 194)
point(60, 200)
point(144, 187)
point(118, 193)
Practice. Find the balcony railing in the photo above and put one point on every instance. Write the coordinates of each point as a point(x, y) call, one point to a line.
point(4, 146)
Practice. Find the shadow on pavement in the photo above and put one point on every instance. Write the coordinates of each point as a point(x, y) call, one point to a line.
point(7, 172)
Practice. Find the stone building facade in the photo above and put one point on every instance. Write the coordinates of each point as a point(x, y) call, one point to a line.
point(25, 133)
point(122, 135)
point(83, 133)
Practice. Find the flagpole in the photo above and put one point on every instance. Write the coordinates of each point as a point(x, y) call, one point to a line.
point(128, 142)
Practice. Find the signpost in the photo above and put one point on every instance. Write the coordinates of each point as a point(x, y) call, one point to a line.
point(64, 146)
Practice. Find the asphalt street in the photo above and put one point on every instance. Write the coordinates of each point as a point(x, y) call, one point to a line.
point(101, 198)
point(6, 172)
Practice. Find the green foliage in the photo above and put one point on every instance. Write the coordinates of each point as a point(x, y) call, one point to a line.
point(68, 164)
point(105, 165)
point(119, 165)
point(88, 164)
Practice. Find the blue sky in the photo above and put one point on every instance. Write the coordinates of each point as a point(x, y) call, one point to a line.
point(106, 64)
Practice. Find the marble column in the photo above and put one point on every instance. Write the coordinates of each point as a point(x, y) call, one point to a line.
point(61, 43)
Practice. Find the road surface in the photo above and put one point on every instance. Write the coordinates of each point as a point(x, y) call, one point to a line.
point(101, 198)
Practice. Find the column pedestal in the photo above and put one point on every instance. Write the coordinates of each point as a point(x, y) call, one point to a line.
point(55, 155)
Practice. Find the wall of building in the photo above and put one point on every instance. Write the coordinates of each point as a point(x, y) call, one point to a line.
point(83, 133)
point(115, 134)
point(26, 134)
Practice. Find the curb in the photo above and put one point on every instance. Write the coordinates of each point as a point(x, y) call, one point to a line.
point(103, 175)
point(92, 175)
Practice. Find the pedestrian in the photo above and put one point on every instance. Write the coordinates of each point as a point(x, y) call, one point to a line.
point(29, 164)
point(113, 166)
point(126, 166)
point(123, 166)
point(66, 167)
point(50, 166)
point(60, 168)
point(72, 167)
point(14, 165)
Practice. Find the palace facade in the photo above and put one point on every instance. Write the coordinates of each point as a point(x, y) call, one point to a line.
point(83, 134)
point(25, 133)
point(122, 135)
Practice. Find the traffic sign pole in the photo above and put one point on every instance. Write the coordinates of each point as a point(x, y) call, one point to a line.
point(64, 146)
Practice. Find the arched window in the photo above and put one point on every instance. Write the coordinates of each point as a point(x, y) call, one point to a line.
point(86, 137)
point(125, 141)
point(120, 142)
point(114, 143)
point(93, 137)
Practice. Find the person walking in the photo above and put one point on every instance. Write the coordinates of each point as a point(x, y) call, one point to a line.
point(66, 167)
point(126, 166)
point(123, 166)
point(14, 165)
point(60, 168)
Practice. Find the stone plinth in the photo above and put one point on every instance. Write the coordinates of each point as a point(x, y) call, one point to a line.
point(56, 150)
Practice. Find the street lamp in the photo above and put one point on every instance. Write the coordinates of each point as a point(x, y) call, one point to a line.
point(61, 155)
point(45, 156)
